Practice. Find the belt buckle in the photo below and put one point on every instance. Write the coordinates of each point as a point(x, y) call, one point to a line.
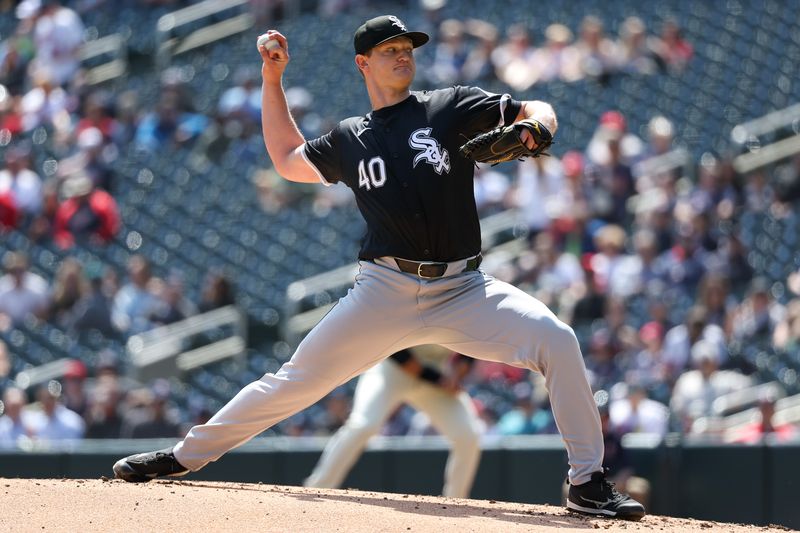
point(422, 264)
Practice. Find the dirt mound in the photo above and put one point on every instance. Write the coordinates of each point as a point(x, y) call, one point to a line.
point(106, 505)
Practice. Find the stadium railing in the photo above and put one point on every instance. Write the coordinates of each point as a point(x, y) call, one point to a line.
point(738, 400)
point(198, 25)
point(678, 159)
point(767, 139)
point(767, 155)
point(37, 375)
point(168, 350)
point(765, 125)
point(111, 47)
point(787, 411)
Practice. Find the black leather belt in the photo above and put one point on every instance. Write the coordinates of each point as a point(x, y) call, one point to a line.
point(432, 270)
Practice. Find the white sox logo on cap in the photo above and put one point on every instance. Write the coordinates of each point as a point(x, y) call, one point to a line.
point(397, 22)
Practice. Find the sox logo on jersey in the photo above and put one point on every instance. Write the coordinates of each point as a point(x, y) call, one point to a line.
point(432, 152)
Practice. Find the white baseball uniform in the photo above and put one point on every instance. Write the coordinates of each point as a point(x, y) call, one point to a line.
point(379, 392)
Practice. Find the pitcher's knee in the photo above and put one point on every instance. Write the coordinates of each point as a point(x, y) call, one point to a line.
point(557, 340)
point(565, 339)
point(565, 346)
point(363, 427)
point(468, 438)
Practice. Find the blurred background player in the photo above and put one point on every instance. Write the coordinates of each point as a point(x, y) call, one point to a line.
point(429, 379)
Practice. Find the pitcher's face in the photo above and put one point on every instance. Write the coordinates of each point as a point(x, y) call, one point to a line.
point(391, 63)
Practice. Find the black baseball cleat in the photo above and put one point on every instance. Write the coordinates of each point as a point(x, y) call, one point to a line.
point(599, 497)
point(142, 467)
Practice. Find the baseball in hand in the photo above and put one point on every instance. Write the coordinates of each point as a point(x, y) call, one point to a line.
point(266, 42)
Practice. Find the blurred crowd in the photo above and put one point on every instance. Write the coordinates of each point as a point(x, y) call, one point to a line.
point(92, 298)
point(644, 259)
point(96, 401)
point(104, 405)
point(64, 193)
point(475, 51)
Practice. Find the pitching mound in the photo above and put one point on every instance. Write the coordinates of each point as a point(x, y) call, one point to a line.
point(112, 505)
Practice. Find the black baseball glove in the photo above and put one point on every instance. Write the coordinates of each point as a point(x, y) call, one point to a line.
point(504, 144)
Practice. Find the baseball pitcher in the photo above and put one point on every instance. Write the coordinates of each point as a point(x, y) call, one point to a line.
point(419, 280)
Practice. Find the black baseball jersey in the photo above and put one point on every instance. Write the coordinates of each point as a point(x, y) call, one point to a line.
point(413, 188)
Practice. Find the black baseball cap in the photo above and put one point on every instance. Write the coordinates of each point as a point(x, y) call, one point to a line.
point(380, 29)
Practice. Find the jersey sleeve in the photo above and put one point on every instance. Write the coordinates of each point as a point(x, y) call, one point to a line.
point(323, 156)
point(480, 111)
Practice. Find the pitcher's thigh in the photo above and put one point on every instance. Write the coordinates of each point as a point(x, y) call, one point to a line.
point(498, 322)
point(351, 338)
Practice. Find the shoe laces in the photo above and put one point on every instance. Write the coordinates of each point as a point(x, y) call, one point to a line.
point(609, 487)
point(163, 456)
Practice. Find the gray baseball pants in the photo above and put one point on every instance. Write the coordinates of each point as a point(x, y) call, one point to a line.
point(388, 310)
